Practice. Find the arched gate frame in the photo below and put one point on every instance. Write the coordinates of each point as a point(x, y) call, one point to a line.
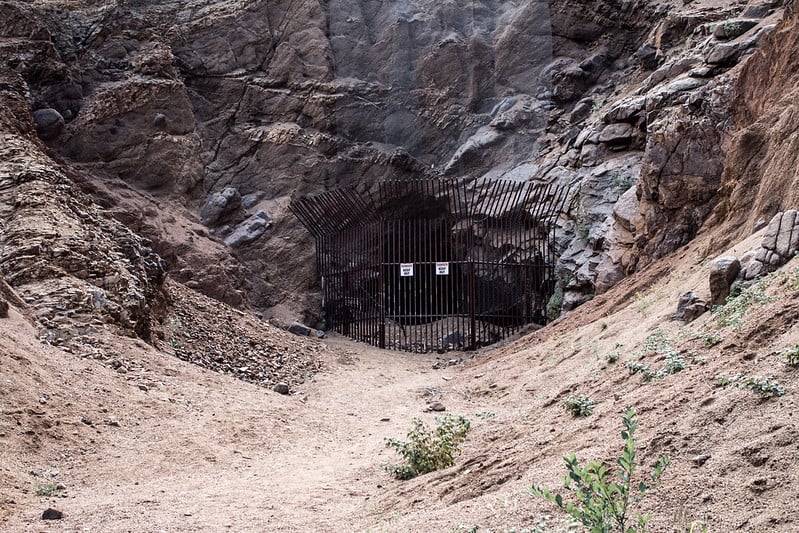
point(434, 264)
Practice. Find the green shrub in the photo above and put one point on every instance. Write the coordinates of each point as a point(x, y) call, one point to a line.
point(791, 355)
point(602, 505)
point(427, 450)
point(579, 405)
point(764, 386)
point(732, 313)
point(48, 489)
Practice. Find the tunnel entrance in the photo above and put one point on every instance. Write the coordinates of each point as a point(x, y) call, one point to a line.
point(434, 264)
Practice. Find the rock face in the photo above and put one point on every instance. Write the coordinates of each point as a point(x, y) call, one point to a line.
point(69, 261)
point(200, 104)
point(779, 245)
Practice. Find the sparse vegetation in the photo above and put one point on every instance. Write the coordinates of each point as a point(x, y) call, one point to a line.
point(48, 489)
point(709, 339)
point(579, 405)
point(612, 357)
point(602, 505)
point(658, 344)
point(764, 386)
point(732, 313)
point(791, 355)
point(427, 450)
point(555, 302)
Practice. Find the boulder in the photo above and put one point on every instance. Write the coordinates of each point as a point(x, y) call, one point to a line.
point(218, 205)
point(49, 123)
point(730, 29)
point(299, 329)
point(690, 307)
point(249, 230)
point(722, 273)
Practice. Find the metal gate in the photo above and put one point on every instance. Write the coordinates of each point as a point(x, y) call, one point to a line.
point(434, 264)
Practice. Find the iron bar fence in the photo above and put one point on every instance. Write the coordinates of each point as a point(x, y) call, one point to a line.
point(434, 264)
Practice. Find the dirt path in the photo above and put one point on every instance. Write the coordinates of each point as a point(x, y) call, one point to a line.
point(202, 452)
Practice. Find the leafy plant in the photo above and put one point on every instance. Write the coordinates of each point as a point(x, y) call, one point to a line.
point(48, 489)
point(791, 355)
point(636, 367)
point(764, 386)
point(612, 357)
point(603, 505)
point(579, 405)
point(427, 450)
point(709, 339)
point(732, 313)
point(555, 302)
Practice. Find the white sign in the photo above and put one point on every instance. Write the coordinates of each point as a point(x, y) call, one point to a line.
point(442, 269)
point(406, 270)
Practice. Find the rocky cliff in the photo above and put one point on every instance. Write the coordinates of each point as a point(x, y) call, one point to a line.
point(192, 124)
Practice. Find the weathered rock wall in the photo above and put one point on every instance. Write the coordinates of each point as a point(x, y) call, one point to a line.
point(75, 267)
point(762, 174)
point(159, 108)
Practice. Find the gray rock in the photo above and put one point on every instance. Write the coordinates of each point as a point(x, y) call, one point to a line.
point(49, 123)
point(453, 338)
point(647, 57)
point(249, 230)
point(436, 407)
point(784, 237)
point(619, 133)
point(690, 307)
point(701, 459)
point(757, 11)
point(769, 241)
point(730, 29)
point(725, 54)
point(299, 329)
point(159, 121)
point(722, 273)
point(281, 388)
point(218, 205)
point(249, 200)
point(581, 110)
point(626, 110)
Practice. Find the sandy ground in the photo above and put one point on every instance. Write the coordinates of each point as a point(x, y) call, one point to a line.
point(169, 446)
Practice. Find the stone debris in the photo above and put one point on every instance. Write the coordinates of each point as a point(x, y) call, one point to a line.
point(281, 388)
point(215, 336)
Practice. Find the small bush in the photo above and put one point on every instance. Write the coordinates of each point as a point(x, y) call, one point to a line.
point(732, 313)
point(579, 405)
point(791, 355)
point(612, 357)
point(764, 386)
point(48, 489)
point(602, 505)
point(427, 450)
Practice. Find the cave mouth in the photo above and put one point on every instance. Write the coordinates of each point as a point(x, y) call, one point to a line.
point(434, 264)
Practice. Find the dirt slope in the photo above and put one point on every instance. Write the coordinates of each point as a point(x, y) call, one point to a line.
point(198, 451)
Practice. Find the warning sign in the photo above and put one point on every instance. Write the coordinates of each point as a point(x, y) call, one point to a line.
point(406, 270)
point(442, 269)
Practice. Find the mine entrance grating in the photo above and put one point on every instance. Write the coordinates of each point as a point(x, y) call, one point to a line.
point(434, 264)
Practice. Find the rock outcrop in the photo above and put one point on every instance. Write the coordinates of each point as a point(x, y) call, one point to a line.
point(626, 101)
